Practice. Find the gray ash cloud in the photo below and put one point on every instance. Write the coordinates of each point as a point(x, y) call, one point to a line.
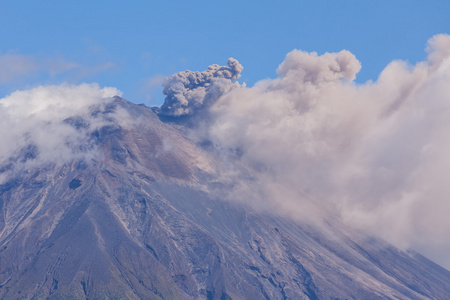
point(188, 92)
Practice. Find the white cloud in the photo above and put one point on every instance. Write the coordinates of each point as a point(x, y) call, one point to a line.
point(36, 120)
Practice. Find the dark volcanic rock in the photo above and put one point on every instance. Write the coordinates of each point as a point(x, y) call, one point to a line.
point(74, 184)
point(138, 223)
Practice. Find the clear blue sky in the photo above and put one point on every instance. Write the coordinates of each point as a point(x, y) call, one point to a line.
point(130, 44)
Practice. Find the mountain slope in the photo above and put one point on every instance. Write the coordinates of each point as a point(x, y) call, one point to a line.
point(141, 220)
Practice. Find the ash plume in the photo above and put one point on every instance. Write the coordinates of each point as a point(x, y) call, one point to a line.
point(187, 92)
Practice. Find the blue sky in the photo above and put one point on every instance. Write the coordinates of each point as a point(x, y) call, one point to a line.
point(131, 45)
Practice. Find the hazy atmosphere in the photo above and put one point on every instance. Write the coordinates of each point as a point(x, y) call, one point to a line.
point(331, 106)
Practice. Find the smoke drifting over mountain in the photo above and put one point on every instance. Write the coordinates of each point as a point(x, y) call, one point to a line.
point(377, 153)
point(186, 92)
point(312, 140)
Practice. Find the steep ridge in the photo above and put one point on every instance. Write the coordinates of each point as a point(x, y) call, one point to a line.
point(140, 221)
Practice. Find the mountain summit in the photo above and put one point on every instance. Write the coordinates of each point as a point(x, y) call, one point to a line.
point(142, 212)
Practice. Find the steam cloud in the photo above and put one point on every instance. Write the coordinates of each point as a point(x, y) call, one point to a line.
point(187, 92)
point(378, 153)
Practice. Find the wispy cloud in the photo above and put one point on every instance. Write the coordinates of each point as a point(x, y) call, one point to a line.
point(17, 68)
point(150, 85)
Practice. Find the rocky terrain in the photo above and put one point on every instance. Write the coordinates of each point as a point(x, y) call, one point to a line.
point(143, 218)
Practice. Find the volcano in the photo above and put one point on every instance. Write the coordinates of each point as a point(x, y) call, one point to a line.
point(141, 212)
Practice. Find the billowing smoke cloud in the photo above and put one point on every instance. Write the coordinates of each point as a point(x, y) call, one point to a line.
point(187, 92)
point(377, 153)
point(40, 125)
